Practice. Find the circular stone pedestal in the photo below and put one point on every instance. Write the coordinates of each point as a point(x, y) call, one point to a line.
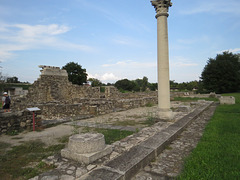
point(86, 143)
point(86, 148)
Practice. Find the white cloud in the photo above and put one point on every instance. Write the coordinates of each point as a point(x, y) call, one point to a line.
point(235, 50)
point(215, 6)
point(17, 37)
point(183, 64)
point(194, 40)
point(124, 40)
point(178, 62)
point(131, 64)
point(39, 30)
point(106, 77)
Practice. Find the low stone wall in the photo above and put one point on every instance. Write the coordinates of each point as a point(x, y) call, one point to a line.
point(57, 110)
point(15, 121)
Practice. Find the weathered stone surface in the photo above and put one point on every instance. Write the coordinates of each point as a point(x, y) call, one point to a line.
point(86, 158)
point(103, 173)
point(86, 143)
point(227, 100)
point(131, 161)
point(184, 108)
point(86, 148)
point(67, 177)
point(14, 121)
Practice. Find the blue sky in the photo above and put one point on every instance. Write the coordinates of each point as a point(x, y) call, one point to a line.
point(114, 39)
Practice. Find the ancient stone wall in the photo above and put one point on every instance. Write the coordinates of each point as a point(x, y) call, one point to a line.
point(58, 98)
point(54, 110)
point(53, 85)
point(15, 121)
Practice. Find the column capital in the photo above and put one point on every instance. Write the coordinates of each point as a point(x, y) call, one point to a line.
point(161, 7)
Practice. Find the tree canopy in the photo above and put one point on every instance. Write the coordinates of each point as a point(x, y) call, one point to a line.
point(95, 82)
point(135, 85)
point(76, 74)
point(222, 74)
point(125, 84)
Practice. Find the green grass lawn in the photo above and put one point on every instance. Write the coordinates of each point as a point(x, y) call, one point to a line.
point(217, 156)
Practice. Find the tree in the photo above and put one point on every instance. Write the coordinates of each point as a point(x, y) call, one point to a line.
point(153, 86)
point(95, 82)
point(173, 84)
point(125, 84)
point(13, 80)
point(76, 74)
point(222, 74)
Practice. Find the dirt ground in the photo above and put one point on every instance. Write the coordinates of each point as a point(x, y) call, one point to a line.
point(51, 135)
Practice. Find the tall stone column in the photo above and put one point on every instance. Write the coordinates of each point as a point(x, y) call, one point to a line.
point(161, 7)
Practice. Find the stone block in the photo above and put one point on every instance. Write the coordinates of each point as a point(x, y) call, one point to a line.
point(227, 100)
point(86, 148)
point(132, 161)
point(86, 158)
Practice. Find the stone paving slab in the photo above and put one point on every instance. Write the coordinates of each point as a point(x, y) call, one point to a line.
point(102, 126)
point(137, 157)
point(131, 161)
point(103, 173)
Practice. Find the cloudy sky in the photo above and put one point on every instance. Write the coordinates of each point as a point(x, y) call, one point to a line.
point(114, 39)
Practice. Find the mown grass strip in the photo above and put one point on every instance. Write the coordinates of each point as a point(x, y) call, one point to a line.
point(217, 156)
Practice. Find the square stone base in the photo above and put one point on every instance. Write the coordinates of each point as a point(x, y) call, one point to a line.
point(88, 157)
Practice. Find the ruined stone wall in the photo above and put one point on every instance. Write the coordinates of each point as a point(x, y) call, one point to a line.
point(57, 97)
point(53, 86)
point(16, 121)
point(55, 110)
point(111, 92)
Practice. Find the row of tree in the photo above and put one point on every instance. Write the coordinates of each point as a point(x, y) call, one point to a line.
point(78, 75)
point(221, 75)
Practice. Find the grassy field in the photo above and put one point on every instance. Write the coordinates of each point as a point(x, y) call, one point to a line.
point(217, 156)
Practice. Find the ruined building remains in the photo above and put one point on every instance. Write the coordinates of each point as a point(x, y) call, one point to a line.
point(57, 97)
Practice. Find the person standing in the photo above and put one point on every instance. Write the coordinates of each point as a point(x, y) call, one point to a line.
point(6, 101)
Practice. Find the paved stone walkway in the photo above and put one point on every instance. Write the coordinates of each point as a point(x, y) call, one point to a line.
point(170, 162)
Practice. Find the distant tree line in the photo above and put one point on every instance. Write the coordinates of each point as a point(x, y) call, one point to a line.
point(221, 75)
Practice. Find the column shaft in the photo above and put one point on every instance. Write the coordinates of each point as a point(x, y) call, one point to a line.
point(163, 69)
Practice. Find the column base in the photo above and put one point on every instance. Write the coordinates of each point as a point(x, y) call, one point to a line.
point(165, 114)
